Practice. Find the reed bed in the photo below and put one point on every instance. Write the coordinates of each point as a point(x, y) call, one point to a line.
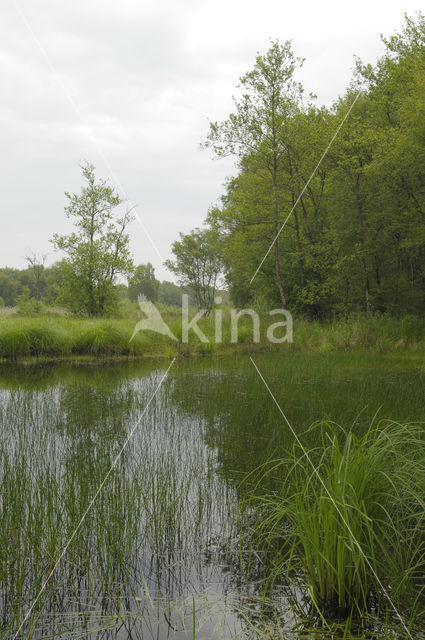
point(150, 525)
point(52, 337)
point(163, 552)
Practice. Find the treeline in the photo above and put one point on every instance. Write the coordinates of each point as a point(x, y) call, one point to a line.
point(39, 286)
point(325, 216)
point(353, 236)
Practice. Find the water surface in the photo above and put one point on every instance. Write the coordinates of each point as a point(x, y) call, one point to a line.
point(160, 545)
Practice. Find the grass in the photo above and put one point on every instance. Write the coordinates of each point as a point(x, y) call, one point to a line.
point(246, 428)
point(150, 524)
point(163, 530)
point(63, 336)
point(348, 520)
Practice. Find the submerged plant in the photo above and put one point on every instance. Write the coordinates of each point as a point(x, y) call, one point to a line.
point(348, 517)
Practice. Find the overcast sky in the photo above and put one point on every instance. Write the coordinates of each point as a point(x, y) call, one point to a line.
point(131, 85)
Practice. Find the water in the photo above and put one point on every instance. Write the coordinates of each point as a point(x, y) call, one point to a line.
point(160, 546)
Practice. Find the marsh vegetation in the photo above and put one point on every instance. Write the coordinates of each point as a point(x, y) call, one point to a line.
point(64, 337)
point(185, 539)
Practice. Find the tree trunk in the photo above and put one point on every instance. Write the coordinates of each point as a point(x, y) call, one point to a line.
point(362, 255)
point(300, 250)
point(276, 248)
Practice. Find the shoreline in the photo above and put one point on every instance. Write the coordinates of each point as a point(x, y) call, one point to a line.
point(64, 339)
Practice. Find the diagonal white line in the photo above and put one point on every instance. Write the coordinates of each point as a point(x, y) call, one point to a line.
point(384, 590)
point(92, 501)
point(82, 120)
point(324, 154)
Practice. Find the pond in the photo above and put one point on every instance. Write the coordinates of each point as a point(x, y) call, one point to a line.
point(121, 484)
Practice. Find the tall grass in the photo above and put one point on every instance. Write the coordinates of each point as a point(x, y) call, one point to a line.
point(162, 531)
point(150, 524)
point(348, 519)
point(22, 337)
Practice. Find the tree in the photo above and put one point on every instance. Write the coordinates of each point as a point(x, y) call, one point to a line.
point(97, 251)
point(258, 127)
point(170, 293)
point(36, 266)
point(10, 285)
point(396, 92)
point(198, 264)
point(143, 282)
point(244, 220)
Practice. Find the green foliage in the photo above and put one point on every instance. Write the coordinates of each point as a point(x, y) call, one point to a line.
point(14, 342)
point(171, 294)
point(353, 233)
point(60, 433)
point(66, 335)
point(28, 306)
point(36, 270)
point(102, 339)
point(143, 282)
point(173, 498)
point(348, 515)
point(97, 251)
point(197, 263)
point(10, 285)
point(15, 283)
point(21, 338)
point(259, 134)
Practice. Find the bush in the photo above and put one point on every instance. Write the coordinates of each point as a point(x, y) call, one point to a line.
point(23, 338)
point(47, 341)
point(28, 306)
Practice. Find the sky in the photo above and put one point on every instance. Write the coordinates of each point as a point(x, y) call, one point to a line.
point(131, 87)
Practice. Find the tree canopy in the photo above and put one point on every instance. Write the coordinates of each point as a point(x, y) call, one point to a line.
point(352, 220)
point(98, 250)
point(197, 264)
point(143, 282)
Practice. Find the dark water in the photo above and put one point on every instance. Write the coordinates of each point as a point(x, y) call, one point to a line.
point(119, 497)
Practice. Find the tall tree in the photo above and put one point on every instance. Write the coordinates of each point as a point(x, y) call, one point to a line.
point(97, 251)
point(396, 90)
point(198, 264)
point(244, 220)
point(258, 126)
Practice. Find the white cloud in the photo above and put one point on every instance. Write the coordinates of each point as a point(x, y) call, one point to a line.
point(145, 77)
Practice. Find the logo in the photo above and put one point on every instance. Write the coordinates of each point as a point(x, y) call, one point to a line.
point(154, 322)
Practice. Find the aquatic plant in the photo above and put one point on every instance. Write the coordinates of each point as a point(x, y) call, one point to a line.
point(348, 517)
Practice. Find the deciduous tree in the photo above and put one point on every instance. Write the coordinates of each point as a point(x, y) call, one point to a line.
point(97, 251)
point(258, 127)
point(143, 282)
point(198, 264)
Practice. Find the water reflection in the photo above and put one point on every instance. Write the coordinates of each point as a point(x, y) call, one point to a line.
point(162, 540)
point(146, 538)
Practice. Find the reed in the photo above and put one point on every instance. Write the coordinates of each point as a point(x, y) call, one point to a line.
point(348, 518)
point(166, 517)
point(56, 447)
point(64, 336)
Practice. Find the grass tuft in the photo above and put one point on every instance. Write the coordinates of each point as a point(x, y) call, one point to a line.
point(102, 339)
point(349, 518)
